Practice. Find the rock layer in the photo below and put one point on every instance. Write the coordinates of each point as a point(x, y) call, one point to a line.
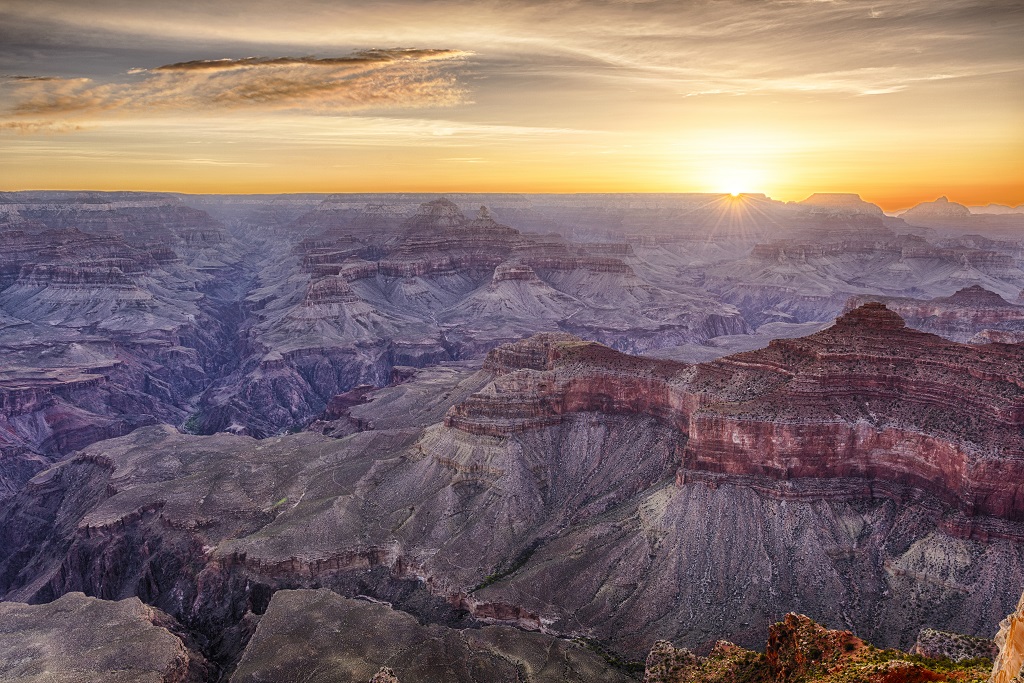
point(865, 399)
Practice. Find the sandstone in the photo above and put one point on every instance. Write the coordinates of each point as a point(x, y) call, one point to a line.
point(800, 650)
point(867, 398)
point(1010, 641)
point(970, 314)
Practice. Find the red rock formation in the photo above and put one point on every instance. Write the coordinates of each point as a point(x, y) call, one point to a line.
point(969, 312)
point(866, 399)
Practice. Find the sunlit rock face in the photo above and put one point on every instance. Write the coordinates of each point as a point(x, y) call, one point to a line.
point(867, 398)
point(1010, 641)
point(800, 650)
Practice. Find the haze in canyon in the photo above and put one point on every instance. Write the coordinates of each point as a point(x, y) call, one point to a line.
point(675, 342)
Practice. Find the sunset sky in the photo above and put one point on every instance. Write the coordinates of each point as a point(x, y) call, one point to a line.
point(901, 101)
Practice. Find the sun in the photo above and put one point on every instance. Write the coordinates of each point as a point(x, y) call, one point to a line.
point(734, 180)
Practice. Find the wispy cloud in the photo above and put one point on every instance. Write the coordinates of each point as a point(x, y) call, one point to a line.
point(32, 127)
point(371, 79)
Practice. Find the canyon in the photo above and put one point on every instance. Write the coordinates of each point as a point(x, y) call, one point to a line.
point(503, 433)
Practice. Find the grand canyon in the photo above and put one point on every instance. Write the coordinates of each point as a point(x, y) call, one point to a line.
point(512, 341)
point(508, 437)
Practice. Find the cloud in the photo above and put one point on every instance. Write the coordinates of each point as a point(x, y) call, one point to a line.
point(32, 127)
point(371, 79)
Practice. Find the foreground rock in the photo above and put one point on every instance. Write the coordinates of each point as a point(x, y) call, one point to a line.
point(317, 636)
point(77, 639)
point(801, 651)
point(1010, 641)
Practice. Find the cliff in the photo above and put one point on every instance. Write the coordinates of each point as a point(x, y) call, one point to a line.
point(866, 399)
point(970, 314)
point(1010, 641)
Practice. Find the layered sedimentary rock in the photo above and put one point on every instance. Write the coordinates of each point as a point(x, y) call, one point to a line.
point(79, 639)
point(560, 486)
point(865, 399)
point(970, 314)
point(575, 491)
point(431, 287)
point(798, 280)
point(104, 331)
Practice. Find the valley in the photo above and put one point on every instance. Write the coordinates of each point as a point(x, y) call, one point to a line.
point(521, 432)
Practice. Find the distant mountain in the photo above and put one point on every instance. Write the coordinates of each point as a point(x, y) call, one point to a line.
point(941, 209)
point(996, 209)
point(843, 201)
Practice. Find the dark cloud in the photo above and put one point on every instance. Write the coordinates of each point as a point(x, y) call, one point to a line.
point(359, 58)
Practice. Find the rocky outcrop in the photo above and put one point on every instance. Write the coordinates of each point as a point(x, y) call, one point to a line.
point(78, 639)
point(842, 201)
point(971, 314)
point(802, 651)
point(866, 399)
point(385, 675)
point(940, 210)
point(319, 637)
point(1009, 663)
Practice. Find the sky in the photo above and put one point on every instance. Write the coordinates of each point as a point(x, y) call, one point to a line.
point(898, 100)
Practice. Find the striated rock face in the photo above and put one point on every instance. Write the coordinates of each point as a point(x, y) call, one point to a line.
point(866, 399)
point(869, 398)
point(972, 314)
point(106, 329)
point(430, 287)
point(579, 528)
point(78, 639)
point(1010, 641)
